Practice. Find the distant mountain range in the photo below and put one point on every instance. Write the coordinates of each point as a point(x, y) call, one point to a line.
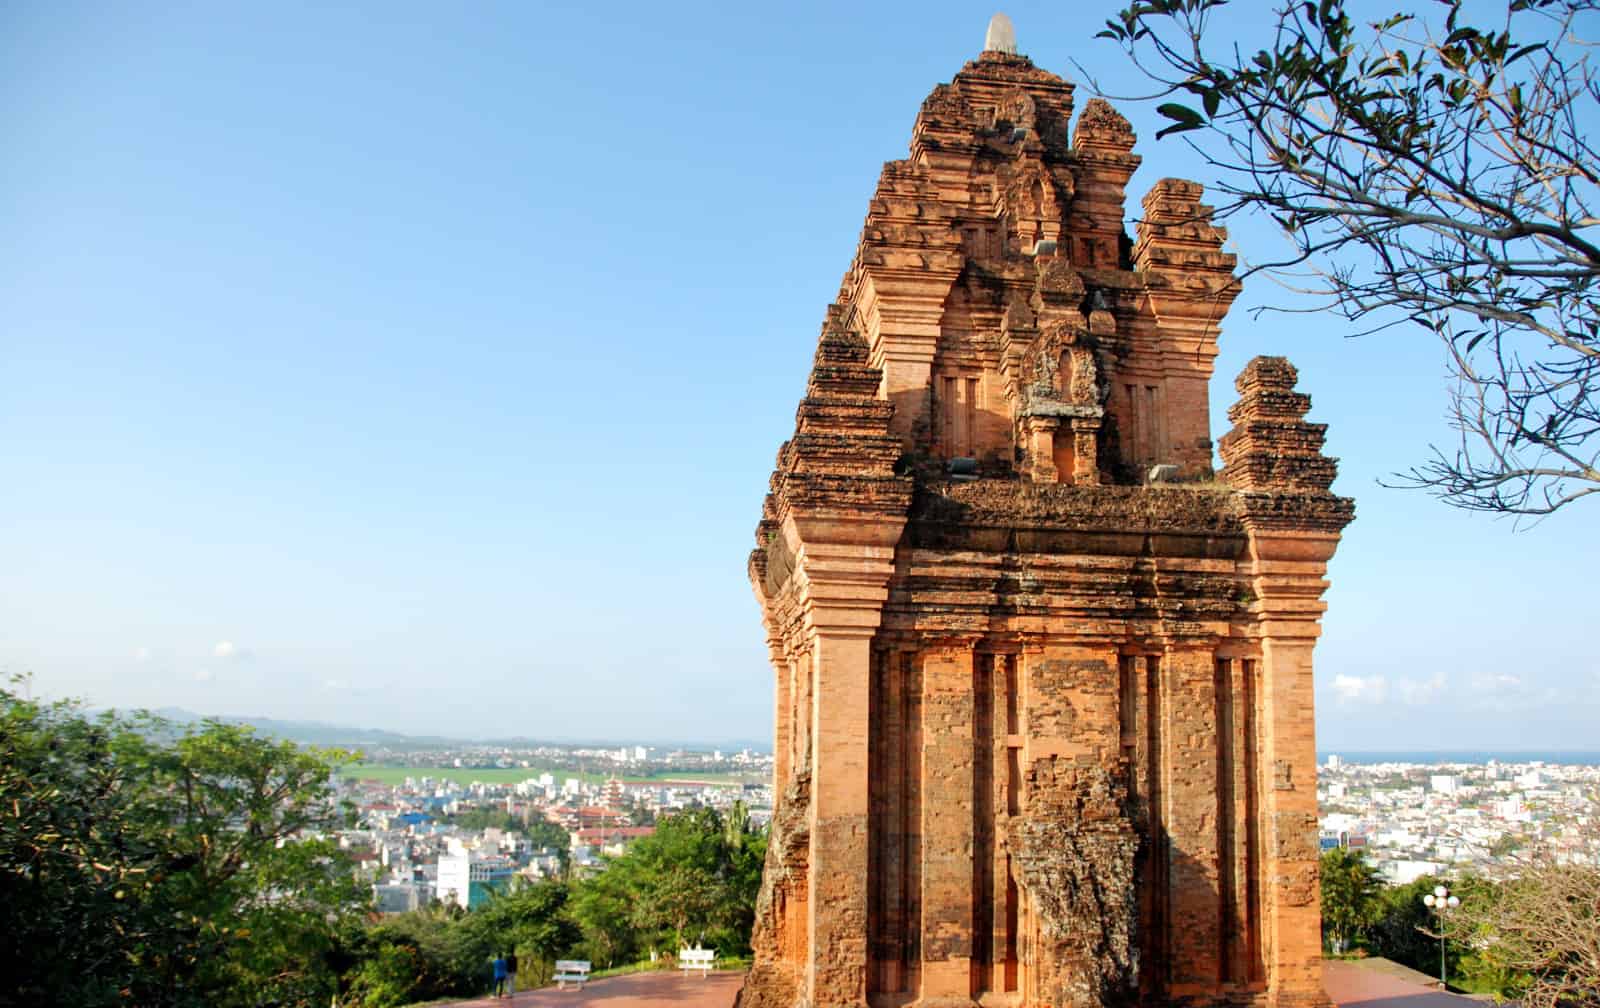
point(310, 732)
point(324, 734)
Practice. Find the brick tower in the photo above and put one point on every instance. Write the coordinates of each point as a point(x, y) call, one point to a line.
point(1044, 687)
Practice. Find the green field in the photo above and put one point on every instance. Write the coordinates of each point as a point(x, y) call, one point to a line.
point(495, 775)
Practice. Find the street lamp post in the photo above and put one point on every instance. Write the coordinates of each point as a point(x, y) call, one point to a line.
point(1441, 900)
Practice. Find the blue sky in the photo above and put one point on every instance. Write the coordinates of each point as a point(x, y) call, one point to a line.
point(421, 367)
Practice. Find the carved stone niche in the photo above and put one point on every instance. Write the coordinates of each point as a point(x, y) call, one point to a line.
point(1017, 110)
point(1078, 373)
point(1034, 200)
point(1063, 406)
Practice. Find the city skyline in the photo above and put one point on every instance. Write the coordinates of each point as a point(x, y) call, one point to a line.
point(417, 365)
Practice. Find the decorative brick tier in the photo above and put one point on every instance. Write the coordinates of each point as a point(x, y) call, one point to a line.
point(1044, 727)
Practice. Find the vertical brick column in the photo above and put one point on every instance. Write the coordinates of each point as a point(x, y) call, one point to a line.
point(1176, 241)
point(888, 930)
point(1273, 457)
point(782, 717)
point(947, 783)
point(1085, 452)
point(1039, 452)
point(841, 669)
point(1293, 924)
point(902, 303)
point(1239, 746)
point(1190, 814)
point(1289, 567)
point(845, 587)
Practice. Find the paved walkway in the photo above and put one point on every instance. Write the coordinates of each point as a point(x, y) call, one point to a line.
point(636, 990)
point(1369, 983)
point(1379, 983)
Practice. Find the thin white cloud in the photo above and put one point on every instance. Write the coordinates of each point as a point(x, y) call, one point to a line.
point(224, 649)
point(202, 675)
point(1503, 691)
point(1360, 689)
point(1416, 692)
point(141, 654)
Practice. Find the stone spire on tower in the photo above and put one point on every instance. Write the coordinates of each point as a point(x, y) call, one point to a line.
point(1000, 37)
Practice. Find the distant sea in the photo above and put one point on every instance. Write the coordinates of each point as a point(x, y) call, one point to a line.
point(1570, 757)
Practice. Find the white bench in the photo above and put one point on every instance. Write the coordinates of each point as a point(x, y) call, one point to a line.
point(571, 971)
point(700, 959)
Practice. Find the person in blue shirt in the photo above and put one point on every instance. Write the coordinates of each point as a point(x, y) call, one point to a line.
point(500, 976)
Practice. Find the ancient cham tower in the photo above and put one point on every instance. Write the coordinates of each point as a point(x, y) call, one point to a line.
point(1044, 685)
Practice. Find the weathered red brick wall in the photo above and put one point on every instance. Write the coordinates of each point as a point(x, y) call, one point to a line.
point(1045, 732)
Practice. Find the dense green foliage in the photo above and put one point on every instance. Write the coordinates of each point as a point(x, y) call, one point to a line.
point(143, 867)
point(695, 880)
point(1349, 897)
point(541, 833)
point(444, 952)
point(135, 871)
point(1361, 914)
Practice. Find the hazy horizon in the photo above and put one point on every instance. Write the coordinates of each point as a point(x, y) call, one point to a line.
point(765, 744)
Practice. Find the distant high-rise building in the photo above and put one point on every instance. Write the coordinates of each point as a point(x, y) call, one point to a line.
point(467, 878)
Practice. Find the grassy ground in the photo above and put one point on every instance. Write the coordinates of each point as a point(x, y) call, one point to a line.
point(495, 775)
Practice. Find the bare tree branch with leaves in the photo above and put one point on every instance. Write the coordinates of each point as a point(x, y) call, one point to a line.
point(1430, 173)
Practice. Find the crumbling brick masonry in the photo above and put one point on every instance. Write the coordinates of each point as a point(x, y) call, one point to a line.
point(1044, 721)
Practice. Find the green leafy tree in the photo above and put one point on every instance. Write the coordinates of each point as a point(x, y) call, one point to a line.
point(1406, 930)
point(544, 833)
point(419, 956)
point(694, 880)
point(247, 817)
point(1482, 965)
point(71, 865)
point(135, 871)
point(640, 814)
point(1438, 173)
point(532, 921)
point(1350, 888)
point(602, 908)
point(679, 900)
point(1505, 845)
point(482, 819)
